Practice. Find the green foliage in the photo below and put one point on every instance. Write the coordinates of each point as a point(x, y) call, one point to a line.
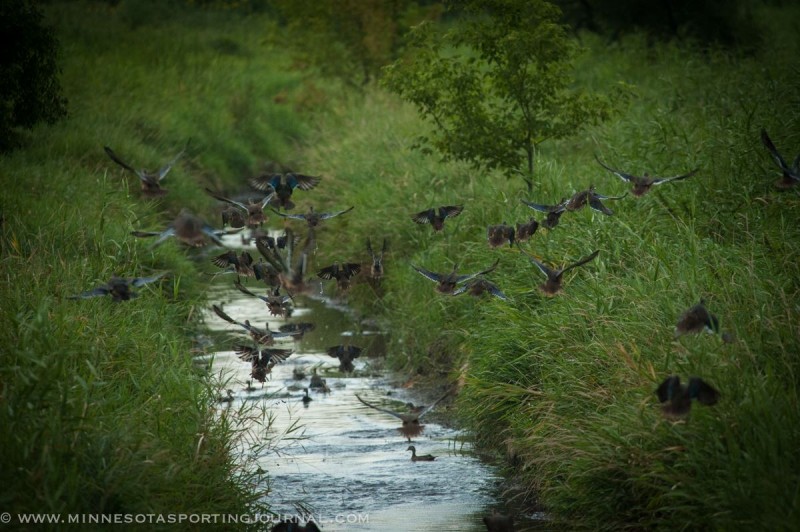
point(496, 84)
point(30, 92)
point(350, 40)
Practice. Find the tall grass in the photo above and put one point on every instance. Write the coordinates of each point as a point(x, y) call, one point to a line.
point(103, 409)
point(564, 387)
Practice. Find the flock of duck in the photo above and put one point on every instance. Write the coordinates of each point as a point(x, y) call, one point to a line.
point(284, 272)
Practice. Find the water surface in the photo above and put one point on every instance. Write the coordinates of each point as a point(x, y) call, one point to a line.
point(336, 458)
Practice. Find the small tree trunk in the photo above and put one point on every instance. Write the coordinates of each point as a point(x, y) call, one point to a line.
point(529, 179)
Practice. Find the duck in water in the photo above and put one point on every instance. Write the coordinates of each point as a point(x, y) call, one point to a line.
point(420, 458)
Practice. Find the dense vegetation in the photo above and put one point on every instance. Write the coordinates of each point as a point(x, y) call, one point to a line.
point(102, 408)
point(560, 388)
point(563, 388)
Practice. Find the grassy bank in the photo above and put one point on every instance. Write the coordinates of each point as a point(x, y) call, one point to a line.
point(102, 408)
point(563, 388)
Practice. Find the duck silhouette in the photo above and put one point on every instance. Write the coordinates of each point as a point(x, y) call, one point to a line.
point(233, 217)
point(312, 218)
point(446, 283)
point(642, 184)
point(376, 270)
point(291, 271)
point(150, 181)
point(267, 273)
point(342, 273)
point(437, 215)
point(227, 398)
point(553, 212)
point(498, 235)
point(283, 186)
point(478, 287)
point(676, 398)
point(262, 360)
point(260, 336)
point(119, 288)
point(420, 458)
point(253, 211)
point(277, 304)
point(698, 319)
point(187, 228)
point(274, 243)
point(554, 277)
point(526, 230)
point(242, 263)
point(345, 354)
point(306, 398)
point(591, 198)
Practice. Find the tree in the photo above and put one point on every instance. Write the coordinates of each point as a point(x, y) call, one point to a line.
point(29, 88)
point(348, 39)
point(496, 84)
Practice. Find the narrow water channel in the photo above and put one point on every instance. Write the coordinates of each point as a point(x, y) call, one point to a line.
point(335, 458)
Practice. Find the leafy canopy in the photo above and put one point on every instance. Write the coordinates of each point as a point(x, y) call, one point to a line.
point(496, 84)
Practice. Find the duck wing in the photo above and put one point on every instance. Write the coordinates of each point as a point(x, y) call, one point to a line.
point(596, 204)
point(287, 215)
point(385, 410)
point(545, 208)
point(265, 182)
point(329, 215)
point(448, 211)
point(162, 173)
point(468, 276)
point(226, 200)
point(581, 262)
point(702, 391)
point(303, 182)
point(542, 266)
point(95, 292)
point(661, 180)
point(622, 175)
point(141, 281)
point(424, 217)
point(435, 277)
point(119, 161)
point(219, 312)
point(244, 290)
point(162, 236)
point(433, 405)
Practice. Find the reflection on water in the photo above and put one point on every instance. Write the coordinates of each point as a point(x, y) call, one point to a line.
point(343, 462)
